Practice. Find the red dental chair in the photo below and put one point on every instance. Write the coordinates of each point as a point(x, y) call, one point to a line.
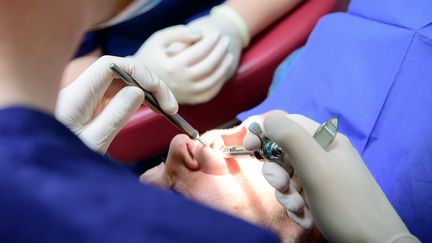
point(148, 134)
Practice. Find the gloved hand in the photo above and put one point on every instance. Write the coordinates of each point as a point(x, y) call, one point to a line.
point(197, 71)
point(289, 191)
point(79, 104)
point(344, 198)
point(224, 20)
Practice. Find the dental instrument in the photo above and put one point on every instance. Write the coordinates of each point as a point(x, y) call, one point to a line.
point(270, 151)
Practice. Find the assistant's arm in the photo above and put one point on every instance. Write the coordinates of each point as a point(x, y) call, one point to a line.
point(258, 14)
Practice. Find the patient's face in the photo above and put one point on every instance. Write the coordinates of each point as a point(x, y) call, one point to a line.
point(234, 186)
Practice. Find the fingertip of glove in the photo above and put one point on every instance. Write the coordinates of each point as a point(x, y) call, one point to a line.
point(251, 142)
point(305, 219)
point(292, 201)
point(230, 59)
point(171, 107)
point(276, 176)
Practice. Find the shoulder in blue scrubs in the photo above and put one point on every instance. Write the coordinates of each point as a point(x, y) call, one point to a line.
point(372, 68)
point(125, 39)
point(55, 189)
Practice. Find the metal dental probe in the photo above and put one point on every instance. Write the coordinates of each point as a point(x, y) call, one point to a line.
point(151, 101)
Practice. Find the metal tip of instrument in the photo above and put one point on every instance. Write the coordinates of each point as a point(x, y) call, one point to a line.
point(236, 152)
point(201, 141)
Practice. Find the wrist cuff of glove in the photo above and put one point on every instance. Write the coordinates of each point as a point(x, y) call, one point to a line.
point(237, 20)
point(403, 236)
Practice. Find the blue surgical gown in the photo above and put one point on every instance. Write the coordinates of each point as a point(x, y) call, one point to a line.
point(372, 68)
point(55, 189)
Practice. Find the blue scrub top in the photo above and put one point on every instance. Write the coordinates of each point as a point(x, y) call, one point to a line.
point(125, 39)
point(372, 68)
point(55, 189)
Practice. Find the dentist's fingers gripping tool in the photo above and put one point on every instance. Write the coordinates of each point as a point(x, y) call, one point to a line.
point(151, 101)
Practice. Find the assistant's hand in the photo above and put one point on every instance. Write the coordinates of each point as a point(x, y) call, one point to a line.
point(197, 72)
point(80, 106)
point(230, 25)
point(344, 198)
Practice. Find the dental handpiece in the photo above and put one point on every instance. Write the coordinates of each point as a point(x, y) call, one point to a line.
point(177, 120)
point(270, 151)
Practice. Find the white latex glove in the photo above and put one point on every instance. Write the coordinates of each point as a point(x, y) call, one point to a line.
point(77, 103)
point(344, 198)
point(226, 21)
point(197, 71)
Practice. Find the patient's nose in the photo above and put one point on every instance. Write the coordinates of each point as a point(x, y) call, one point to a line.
point(210, 157)
point(181, 152)
point(180, 161)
